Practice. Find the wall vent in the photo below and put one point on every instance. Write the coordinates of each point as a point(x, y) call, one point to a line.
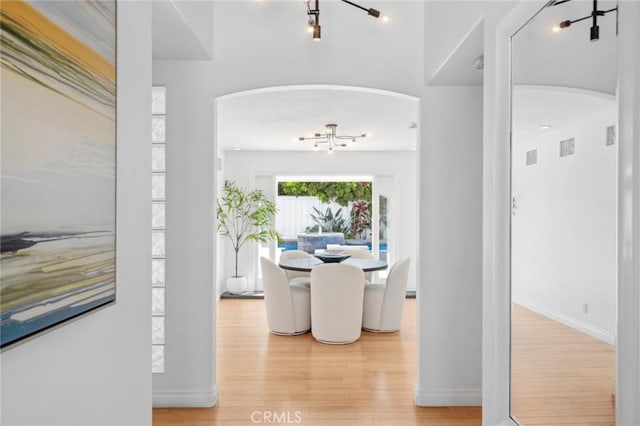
point(567, 147)
point(532, 157)
point(611, 135)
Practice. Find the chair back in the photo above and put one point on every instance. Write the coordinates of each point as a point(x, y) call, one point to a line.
point(394, 295)
point(294, 254)
point(277, 297)
point(337, 292)
point(359, 253)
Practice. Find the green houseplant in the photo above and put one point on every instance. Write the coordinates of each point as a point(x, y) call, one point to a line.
point(243, 216)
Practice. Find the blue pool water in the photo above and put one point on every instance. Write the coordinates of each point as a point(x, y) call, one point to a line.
point(293, 245)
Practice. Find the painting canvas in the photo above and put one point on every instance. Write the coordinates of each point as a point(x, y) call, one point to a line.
point(58, 152)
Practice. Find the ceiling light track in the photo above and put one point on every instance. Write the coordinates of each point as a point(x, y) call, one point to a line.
point(314, 16)
point(595, 28)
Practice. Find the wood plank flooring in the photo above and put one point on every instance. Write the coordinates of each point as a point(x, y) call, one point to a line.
point(560, 376)
point(367, 383)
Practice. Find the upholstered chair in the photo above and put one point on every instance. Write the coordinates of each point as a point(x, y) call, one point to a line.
point(336, 303)
point(288, 305)
point(296, 277)
point(359, 253)
point(384, 303)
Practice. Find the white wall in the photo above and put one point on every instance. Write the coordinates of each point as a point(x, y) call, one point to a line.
point(189, 377)
point(243, 168)
point(97, 370)
point(446, 25)
point(564, 229)
point(450, 265)
point(450, 189)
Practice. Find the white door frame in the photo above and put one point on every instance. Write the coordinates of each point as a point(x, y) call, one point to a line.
point(496, 215)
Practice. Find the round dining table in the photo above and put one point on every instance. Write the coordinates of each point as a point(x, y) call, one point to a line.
point(305, 264)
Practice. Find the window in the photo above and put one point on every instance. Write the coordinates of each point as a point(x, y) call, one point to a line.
point(158, 225)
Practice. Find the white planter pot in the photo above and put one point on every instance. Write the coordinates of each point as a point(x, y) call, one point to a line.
point(236, 285)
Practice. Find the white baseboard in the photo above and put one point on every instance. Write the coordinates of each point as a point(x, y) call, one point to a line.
point(185, 398)
point(447, 397)
point(569, 321)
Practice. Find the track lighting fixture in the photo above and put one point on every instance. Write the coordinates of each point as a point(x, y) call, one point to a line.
point(595, 28)
point(314, 16)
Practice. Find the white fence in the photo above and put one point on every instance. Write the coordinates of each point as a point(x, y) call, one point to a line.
point(294, 214)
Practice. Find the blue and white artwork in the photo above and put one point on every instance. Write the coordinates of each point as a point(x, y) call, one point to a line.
point(58, 163)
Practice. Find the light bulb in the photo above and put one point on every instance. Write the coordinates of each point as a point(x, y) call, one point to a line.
point(385, 19)
point(555, 29)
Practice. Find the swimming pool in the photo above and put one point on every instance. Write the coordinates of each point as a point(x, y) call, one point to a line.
point(293, 245)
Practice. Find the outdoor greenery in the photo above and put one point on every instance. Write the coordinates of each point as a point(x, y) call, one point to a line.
point(354, 223)
point(360, 219)
point(339, 192)
point(328, 221)
point(243, 216)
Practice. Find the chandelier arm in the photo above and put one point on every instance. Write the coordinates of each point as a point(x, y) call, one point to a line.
point(312, 138)
point(349, 137)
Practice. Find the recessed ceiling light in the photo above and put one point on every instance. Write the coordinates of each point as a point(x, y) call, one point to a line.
point(545, 127)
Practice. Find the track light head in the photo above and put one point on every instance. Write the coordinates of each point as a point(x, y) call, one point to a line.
point(565, 24)
point(315, 12)
point(373, 12)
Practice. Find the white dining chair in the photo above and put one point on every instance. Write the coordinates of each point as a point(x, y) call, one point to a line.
point(359, 253)
point(336, 303)
point(296, 277)
point(288, 305)
point(384, 303)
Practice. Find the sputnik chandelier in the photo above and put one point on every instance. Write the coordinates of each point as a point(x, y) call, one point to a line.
point(314, 16)
point(330, 138)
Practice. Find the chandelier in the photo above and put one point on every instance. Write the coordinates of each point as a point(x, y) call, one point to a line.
point(595, 28)
point(330, 138)
point(314, 16)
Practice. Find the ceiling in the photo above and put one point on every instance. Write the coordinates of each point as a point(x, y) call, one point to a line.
point(536, 106)
point(567, 57)
point(272, 120)
point(182, 29)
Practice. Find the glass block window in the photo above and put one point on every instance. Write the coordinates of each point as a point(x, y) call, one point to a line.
point(158, 224)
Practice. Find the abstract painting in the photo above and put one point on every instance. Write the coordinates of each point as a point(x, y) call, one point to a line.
point(58, 163)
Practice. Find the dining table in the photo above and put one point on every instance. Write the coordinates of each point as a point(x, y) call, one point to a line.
point(306, 264)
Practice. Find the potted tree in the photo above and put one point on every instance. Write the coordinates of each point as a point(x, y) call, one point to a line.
point(244, 216)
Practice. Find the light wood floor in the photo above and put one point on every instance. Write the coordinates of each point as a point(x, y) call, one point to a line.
point(560, 376)
point(369, 382)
